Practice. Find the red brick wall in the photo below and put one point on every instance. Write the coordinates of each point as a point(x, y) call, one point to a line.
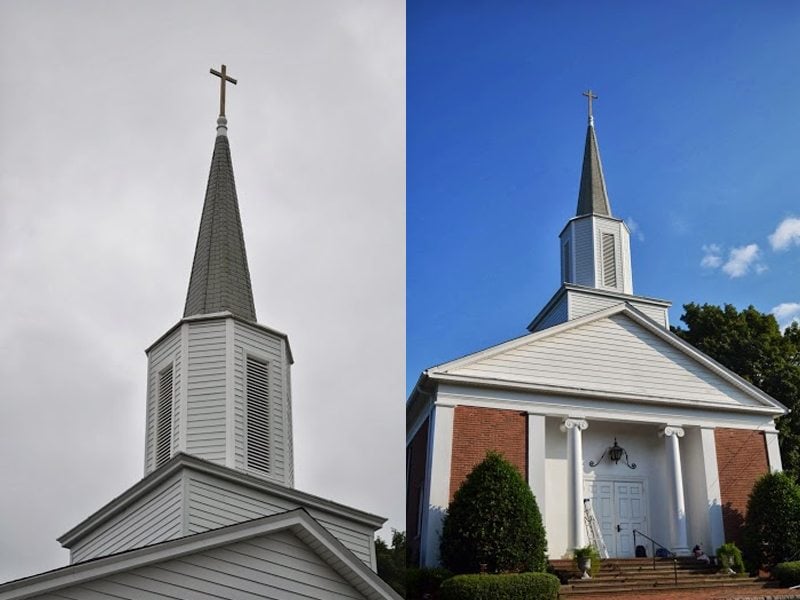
point(417, 458)
point(478, 430)
point(741, 459)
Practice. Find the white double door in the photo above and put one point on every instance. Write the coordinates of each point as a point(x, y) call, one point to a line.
point(620, 507)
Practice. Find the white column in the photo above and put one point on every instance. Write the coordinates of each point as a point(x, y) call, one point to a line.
point(678, 522)
point(536, 460)
point(773, 451)
point(574, 429)
point(437, 498)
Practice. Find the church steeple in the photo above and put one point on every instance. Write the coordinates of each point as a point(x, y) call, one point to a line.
point(218, 382)
point(220, 279)
point(595, 246)
point(592, 194)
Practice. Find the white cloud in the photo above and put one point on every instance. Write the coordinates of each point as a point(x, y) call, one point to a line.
point(712, 257)
point(634, 228)
point(741, 259)
point(786, 234)
point(787, 312)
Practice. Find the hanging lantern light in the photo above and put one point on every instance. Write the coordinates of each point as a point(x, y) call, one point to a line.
point(615, 453)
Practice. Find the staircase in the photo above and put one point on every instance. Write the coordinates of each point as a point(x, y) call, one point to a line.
point(621, 576)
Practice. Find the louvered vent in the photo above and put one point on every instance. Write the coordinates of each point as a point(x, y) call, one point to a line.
point(565, 261)
point(164, 417)
point(609, 261)
point(257, 414)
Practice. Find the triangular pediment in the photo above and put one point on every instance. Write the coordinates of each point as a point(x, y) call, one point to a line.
point(288, 556)
point(619, 353)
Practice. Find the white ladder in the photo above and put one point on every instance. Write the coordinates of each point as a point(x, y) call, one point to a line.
point(593, 529)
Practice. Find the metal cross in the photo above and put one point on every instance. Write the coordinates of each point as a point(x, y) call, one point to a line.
point(590, 96)
point(223, 77)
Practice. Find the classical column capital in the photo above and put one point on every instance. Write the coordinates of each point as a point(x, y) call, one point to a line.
point(671, 430)
point(571, 423)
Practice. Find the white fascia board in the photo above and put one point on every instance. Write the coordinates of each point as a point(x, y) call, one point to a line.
point(628, 398)
point(418, 410)
point(185, 461)
point(440, 372)
point(298, 520)
point(705, 360)
point(610, 408)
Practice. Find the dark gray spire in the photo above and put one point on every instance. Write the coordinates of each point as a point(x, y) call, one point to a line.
point(592, 196)
point(220, 278)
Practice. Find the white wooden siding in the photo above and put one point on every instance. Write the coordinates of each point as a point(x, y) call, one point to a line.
point(558, 314)
point(583, 248)
point(275, 566)
point(168, 350)
point(252, 341)
point(155, 517)
point(610, 355)
point(582, 304)
point(206, 386)
point(215, 503)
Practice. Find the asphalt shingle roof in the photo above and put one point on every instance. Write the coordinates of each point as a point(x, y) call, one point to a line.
point(592, 196)
point(220, 279)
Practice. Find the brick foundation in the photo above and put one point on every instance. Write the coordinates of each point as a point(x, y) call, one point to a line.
point(741, 460)
point(478, 430)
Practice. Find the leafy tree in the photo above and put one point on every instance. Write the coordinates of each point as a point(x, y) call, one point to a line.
point(751, 345)
point(392, 561)
point(772, 524)
point(493, 520)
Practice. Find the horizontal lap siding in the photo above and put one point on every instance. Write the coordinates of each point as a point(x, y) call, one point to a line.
point(216, 503)
point(557, 314)
point(263, 346)
point(479, 430)
point(612, 355)
point(153, 518)
point(582, 304)
point(206, 391)
point(584, 254)
point(167, 350)
point(741, 460)
point(275, 566)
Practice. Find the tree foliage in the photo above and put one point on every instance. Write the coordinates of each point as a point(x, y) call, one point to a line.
point(493, 520)
point(392, 561)
point(772, 524)
point(751, 345)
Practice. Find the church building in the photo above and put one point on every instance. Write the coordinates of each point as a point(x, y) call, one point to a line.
point(216, 514)
point(598, 402)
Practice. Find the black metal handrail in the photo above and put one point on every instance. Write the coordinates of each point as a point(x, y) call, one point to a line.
point(654, 544)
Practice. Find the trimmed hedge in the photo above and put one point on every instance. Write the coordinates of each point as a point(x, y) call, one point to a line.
point(425, 580)
point(493, 523)
point(787, 573)
point(513, 586)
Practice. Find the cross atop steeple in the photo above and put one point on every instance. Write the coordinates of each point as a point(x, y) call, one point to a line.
point(589, 96)
point(223, 77)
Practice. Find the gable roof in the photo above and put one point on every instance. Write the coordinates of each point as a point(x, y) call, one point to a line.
point(298, 522)
point(591, 357)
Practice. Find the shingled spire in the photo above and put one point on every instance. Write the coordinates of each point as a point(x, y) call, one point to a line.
point(592, 195)
point(220, 278)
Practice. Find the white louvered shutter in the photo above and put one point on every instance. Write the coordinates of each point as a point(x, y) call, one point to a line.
point(258, 426)
point(609, 261)
point(164, 417)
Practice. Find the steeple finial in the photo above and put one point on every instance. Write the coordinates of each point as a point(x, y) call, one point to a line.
point(590, 96)
point(592, 195)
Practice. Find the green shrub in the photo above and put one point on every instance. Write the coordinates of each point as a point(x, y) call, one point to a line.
point(424, 581)
point(493, 520)
point(513, 586)
point(787, 573)
point(772, 525)
point(588, 552)
point(729, 554)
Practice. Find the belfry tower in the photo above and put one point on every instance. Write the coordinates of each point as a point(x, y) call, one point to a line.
point(218, 382)
point(595, 252)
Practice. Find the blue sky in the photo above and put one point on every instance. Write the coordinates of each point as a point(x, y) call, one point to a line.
point(698, 122)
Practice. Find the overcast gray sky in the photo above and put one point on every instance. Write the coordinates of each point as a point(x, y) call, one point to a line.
point(107, 115)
